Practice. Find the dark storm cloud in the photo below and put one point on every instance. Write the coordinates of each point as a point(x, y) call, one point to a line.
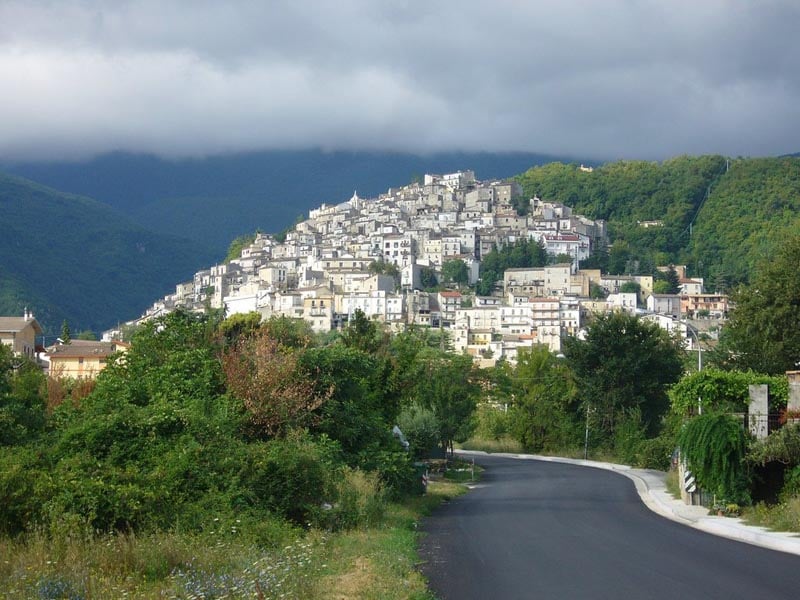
point(628, 78)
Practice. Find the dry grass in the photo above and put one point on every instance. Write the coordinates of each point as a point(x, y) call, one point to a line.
point(376, 561)
point(506, 444)
point(781, 517)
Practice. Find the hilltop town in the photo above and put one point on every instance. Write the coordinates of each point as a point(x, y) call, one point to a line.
point(380, 255)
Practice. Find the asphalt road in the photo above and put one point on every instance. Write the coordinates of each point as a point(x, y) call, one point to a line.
point(533, 529)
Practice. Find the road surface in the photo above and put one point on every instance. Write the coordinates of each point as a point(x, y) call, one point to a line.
point(533, 529)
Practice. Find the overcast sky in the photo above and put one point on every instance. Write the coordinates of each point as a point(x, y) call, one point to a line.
point(606, 79)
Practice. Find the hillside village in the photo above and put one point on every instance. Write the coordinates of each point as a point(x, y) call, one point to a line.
point(372, 255)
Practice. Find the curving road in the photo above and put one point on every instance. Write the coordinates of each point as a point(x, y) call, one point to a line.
point(533, 529)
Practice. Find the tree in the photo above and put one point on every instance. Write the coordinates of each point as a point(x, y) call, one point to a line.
point(447, 385)
point(278, 396)
point(763, 333)
point(237, 245)
point(545, 402)
point(455, 271)
point(624, 364)
point(427, 278)
point(363, 334)
point(289, 332)
point(65, 333)
point(597, 292)
point(673, 280)
point(361, 404)
point(630, 287)
point(661, 286)
point(87, 335)
point(239, 325)
point(22, 404)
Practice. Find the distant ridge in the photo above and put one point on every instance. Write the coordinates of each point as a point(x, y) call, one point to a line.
point(70, 257)
point(215, 199)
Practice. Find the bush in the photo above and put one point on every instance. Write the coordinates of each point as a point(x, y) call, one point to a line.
point(24, 483)
point(361, 501)
point(292, 476)
point(791, 484)
point(714, 447)
point(395, 470)
point(629, 438)
point(421, 429)
point(493, 422)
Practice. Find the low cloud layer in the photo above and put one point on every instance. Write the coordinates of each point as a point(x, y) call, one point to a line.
point(628, 78)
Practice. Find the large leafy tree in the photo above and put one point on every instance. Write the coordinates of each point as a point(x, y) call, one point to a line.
point(447, 385)
point(545, 407)
point(361, 405)
point(624, 365)
point(763, 333)
point(455, 271)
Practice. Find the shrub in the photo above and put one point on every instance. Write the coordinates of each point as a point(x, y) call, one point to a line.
point(360, 501)
point(291, 476)
point(24, 482)
point(714, 447)
point(421, 429)
point(493, 422)
point(395, 470)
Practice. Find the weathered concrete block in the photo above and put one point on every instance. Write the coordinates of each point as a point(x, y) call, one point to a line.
point(758, 412)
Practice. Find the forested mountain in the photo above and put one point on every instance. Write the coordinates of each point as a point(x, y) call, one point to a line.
point(749, 212)
point(70, 257)
point(715, 215)
point(218, 198)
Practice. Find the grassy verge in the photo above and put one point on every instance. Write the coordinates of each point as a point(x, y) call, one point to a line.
point(781, 517)
point(673, 484)
point(375, 562)
point(505, 444)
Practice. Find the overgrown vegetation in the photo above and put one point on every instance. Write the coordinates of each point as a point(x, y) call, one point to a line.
point(220, 433)
point(714, 447)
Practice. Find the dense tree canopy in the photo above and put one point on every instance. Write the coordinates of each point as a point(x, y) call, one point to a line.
point(545, 413)
point(523, 253)
point(763, 333)
point(455, 271)
point(624, 364)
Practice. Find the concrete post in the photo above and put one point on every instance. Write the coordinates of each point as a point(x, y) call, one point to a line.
point(758, 413)
point(794, 391)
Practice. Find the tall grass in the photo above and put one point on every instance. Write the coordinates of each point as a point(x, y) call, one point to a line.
point(504, 444)
point(781, 517)
point(375, 557)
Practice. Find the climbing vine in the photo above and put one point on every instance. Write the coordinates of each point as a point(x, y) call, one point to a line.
point(714, 447)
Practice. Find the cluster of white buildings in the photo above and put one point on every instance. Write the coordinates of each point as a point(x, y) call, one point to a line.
point(334, 263)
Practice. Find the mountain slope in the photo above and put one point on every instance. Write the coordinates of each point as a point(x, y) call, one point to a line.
point(718, 216)
point(70, 257)
point(215, 199)
point(750, 211)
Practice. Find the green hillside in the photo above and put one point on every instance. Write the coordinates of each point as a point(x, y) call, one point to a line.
point(70, 257)
point(715, 215)
point(748, 214)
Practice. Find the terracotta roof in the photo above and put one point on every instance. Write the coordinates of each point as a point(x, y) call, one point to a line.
point(85, 349)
